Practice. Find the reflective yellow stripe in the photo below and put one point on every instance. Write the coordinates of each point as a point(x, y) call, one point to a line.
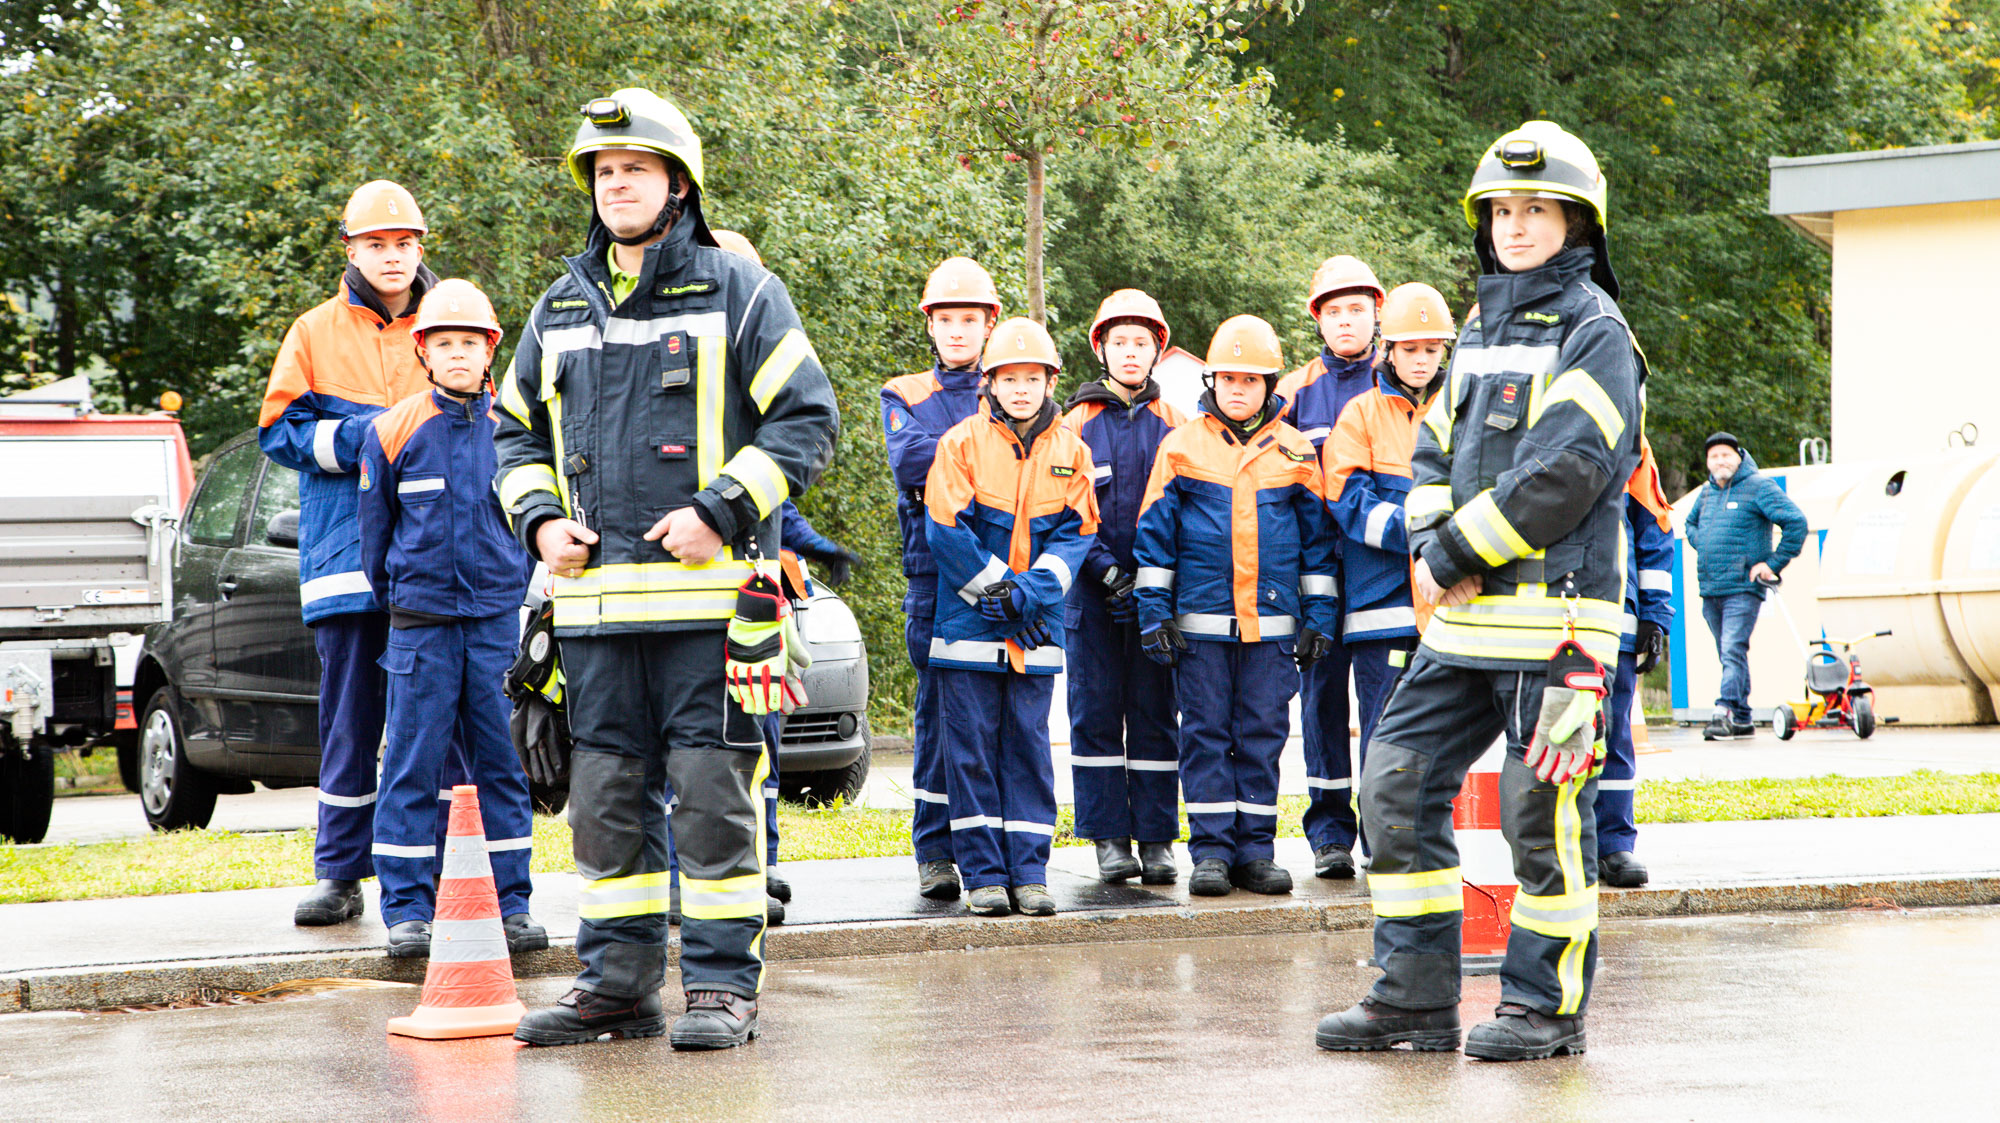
point(1416, 894)
point(1577, 386)
point(511, 398)
point(649, 591)
point(778, 369)
point(1523, 628)
point(654, 577)
point(1488, 531)
point(758, 778)
point(518, 482)
point(711, 372)
point(1426, 502)
point(760, 476)
point(1561, 917)
point(635, 608)
point(727, 898)
point(636, 895)
point(556, 435)
point(1439, 423)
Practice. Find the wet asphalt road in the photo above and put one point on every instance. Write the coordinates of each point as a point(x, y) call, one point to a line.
point(1861, 1015)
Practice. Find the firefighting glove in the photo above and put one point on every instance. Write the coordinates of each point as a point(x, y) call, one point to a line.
point(1003, 602)
point(1118, 598)
point(1310, 647)
point(1652, 645)
point(1034, 635)
point(1566, 737)
point(541, 739)
point(754, 648)
point(1162, 642)
point(838, 565)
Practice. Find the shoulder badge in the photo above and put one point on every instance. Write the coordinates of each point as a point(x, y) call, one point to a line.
point(366, 483)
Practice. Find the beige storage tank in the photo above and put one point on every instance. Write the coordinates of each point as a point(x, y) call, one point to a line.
point(1969, 591)
point(1881, 568)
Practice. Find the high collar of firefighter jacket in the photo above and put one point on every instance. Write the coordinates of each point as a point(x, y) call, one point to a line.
point(1503, 295)
point(1317, 393)
point(1244, 431)
point(360, 292)
point(1099, 390)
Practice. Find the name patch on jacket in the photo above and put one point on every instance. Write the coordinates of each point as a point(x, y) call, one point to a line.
point(1059, 470)
point(1301, 457)
point(1542, 317)
point(689, 289)
point(566, 305)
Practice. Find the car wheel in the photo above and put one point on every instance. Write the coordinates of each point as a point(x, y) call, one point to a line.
point(173, 793)
point(1784, 723)
point(1864, 716)
point(823, 787)
point(27, 793)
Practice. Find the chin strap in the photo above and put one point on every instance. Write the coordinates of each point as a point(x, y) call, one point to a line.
point(668, 214)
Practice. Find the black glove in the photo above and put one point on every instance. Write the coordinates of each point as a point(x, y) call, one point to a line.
point(838, 566)
point(1310, 647)
point(1118, 599)
point(1162, 642)
point(542, 741)
point(1035, 635)
point(1652, 645)
point(1003, 602)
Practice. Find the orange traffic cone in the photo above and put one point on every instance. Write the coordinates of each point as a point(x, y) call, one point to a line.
point(469, 987)
point(1475, 818)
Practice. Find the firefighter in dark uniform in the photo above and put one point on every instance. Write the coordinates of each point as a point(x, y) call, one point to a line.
point(1516, 522)
point(661, 407)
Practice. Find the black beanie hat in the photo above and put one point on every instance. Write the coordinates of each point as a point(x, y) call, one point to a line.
point(1722, 439)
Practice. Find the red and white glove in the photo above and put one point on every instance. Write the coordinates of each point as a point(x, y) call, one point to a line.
point(1564, 746)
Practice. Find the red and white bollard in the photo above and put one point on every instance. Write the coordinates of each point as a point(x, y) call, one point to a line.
point(1486, 864)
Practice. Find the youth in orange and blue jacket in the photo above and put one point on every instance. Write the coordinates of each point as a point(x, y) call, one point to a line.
point(342, 363)
point(1367, 466)
point(1003, 507)
point(448, 571)
point(917, 410)
point(1317, 394)
point(1649, 614)
point(1121, 704)
point(1235, 548)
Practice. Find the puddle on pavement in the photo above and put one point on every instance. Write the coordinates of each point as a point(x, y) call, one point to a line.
point(202, 998)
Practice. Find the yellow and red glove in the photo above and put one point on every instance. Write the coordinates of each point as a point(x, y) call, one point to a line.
point(754, 649)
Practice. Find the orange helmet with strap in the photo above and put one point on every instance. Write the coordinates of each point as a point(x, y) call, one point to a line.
point(456, 303)
point(1020, 340)
point(737, 244)
point(1244, 345)
point(381, 205)
point(1342, 273)
point(1416, 311)
point(960, 280)
point(1129, 304)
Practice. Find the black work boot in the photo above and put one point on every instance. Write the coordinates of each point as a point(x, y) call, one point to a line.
point(1261, 875)
point(774, 911)
point(1517, 1033)
point(523, 934)
point(1372, 1025)
point(1717, 728)
point(410, 940)
point(331, 901)
point(777, 886)
point(1333, 861)
point(582, 1015)
point(1156, 864)
point(1115, 861)
point(1742, 730)
point(1210, 878)
point(715, 1019)
point(1621, 870)
point(937, 880)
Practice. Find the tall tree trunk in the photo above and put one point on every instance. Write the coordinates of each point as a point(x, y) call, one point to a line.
point(1037, 188)
point(66, 325)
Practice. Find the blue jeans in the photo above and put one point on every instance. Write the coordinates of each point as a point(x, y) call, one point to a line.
point(1732, 618)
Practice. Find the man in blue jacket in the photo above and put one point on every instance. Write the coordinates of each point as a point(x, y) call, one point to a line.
point(1730, 529)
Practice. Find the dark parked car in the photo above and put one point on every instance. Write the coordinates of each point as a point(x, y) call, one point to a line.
point(228, 692)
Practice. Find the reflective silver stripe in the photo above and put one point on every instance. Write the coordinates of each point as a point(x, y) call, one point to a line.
point(464, 859)
point(1153, 577)
point(1098, 761)
point(1100, 472)
point(1022, 826)
point(467, 941)
point(1616, 785)
point(1316, 585)
point(1328, 785)
point(1656, 580)
point(1317, 435)
point(1153, 765)
point(991, 573)
point(391, 850)
point(323, 435)
point(334, 585)
point(444, 794)
point(1378, 619)
point(411, 487)
point(626, 332)
point(1512, 358)
point(1629, 625)
point(1047, 655)
point(493, 844)
point(1378, 523)
point(922, 796)
point(1213, 624)
point(970, 650)
point(1057, 566)
point(332, 800)
point(1226, 807)
point(707, 899)
point(1270, 809)
point(971, 821)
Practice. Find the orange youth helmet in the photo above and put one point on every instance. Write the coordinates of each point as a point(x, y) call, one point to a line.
point(737, 244)
point(381, 205)
point(1020, 340)
point(1129, 304)
point(456, 303)
point(960, 280)
point(1244, 345)
point(1342, 273)
point(1416, 311)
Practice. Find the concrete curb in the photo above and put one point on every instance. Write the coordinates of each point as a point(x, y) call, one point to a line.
point(101, 986)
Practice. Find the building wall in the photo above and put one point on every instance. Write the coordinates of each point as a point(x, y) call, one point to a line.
point(1910, 284)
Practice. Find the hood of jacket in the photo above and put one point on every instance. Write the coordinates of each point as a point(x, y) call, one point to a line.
point(1098, 391)
point(359, 291)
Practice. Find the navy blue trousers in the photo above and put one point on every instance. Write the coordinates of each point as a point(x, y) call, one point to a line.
point(1617, 831)
point(1378, 663)
point(1123, 756)
point(998, 774)
point(930, 822)
point(1329, 817)
point(351, 708)
point(1235, 701)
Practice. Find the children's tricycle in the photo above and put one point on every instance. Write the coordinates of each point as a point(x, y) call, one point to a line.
point(1836, 695)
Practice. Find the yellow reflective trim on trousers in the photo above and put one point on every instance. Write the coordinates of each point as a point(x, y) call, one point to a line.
point(1561, 917)
point(710, 392)
point(635, 895)
point(1428, 893)
point(727, 898)
point(783, 362)
point(511, 398)
point(1489, 532)
point(759, 776)
point(517, 483)
point(760, 476)
point(1578, 386)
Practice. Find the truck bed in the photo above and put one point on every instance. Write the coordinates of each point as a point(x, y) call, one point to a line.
point(79, 565)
